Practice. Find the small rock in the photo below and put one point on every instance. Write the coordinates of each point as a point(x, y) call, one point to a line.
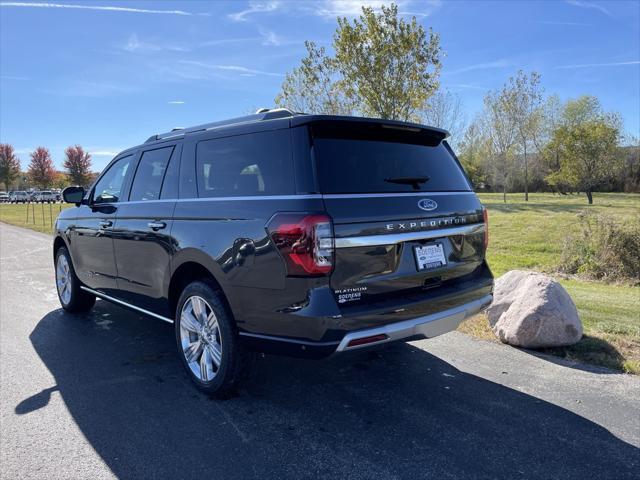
point(532, 310)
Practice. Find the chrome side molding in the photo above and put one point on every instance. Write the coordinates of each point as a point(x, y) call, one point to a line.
point(393, 238)
point(109, 298)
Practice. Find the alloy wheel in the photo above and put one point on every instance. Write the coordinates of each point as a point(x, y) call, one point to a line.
point(200, 338)
point(63, 279)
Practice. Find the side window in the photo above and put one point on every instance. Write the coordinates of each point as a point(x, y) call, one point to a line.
point(150, 173)
point(108, 188)
point(252, 164)
point(171, 182)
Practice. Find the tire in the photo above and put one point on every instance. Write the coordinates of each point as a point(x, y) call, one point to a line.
point(217, 360)
point(72, 298)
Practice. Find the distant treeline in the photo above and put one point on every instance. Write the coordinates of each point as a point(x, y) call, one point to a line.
point(41, 172)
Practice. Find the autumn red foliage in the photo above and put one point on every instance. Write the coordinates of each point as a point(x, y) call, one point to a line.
point(78, 165)
point(9, 165)
point(41, 169)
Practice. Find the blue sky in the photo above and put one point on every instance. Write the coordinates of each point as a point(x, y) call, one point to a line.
point(109, 74)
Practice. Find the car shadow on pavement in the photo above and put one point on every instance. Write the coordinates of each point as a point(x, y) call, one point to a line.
point(396, 413)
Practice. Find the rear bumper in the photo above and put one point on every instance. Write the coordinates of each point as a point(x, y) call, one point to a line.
point(424, 326)
point(428, 326)
point(318, 326)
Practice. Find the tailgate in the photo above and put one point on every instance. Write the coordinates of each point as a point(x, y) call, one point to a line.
point(396, 249)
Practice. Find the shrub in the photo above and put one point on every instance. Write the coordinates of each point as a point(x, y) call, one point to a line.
point(603, 249)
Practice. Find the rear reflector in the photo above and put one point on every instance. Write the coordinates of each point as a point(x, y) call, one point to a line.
point(365, 340)
point(485, 217)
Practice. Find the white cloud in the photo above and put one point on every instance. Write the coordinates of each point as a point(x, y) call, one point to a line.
point(352, 8)
point(502, 63)
point(176, 102)
point(267, 38)
point(590, 5)
point(568, 24)
point(135, 45)
point(271, 38)
point(593, 65)
point(103, 153)
point(255, 7)
point(467, 86)
point(226, 41)
point(94, 7)
point(338, 8)
point(209, 67)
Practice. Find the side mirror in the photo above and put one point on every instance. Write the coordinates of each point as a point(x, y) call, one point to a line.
point(73, 195)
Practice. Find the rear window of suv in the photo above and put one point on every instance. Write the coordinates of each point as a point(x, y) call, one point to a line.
point(372, 159)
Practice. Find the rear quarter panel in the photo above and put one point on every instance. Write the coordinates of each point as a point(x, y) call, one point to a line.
point(229, 237)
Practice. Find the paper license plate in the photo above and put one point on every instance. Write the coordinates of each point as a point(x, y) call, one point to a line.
point(430, 256)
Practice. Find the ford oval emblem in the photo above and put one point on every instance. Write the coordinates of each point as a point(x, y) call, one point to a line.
point(427, 204)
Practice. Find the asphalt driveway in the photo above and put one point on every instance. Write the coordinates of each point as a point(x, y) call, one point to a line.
point(103, 395)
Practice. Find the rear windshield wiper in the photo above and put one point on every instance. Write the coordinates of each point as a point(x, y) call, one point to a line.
point(413, 181)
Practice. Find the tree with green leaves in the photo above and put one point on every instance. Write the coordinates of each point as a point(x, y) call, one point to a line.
point(9, 165)
point(473, 152)
point(587, 143)
point(523, 97)
point(550, 122)
point(314, 86)
point(383, 67)
point(500, 130)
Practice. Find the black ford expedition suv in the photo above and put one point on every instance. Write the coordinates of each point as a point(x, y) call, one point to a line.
point(303, 235)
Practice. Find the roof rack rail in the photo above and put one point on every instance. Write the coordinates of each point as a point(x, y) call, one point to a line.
point(261, 115)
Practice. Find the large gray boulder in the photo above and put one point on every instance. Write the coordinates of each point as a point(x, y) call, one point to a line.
point(532, 310)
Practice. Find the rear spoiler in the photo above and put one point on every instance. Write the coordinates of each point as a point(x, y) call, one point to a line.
point(335, 126)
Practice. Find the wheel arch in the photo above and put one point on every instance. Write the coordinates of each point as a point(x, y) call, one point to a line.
point(191, 266)
point(57, 243)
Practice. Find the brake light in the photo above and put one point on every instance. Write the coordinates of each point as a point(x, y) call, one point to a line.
point(305, 242)
point(485, 218)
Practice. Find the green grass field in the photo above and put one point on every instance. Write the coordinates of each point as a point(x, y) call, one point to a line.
point(40, 216)
point(529, 236)
point(523, 235)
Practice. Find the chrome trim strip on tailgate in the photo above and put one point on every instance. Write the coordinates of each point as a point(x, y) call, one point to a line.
point(392, 238)
point(394, 194)
point(428, 326)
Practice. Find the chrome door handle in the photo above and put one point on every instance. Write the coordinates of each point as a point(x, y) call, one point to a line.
point(156, 225)
point(105, 223)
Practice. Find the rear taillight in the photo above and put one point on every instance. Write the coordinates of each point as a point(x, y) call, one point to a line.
point(485, 217)
point(305, 241)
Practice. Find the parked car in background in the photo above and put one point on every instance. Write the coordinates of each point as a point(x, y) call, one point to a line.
point(45, 196)
point(19, 196)
point(4, 197)
point(32, 195)
point(302, 235)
